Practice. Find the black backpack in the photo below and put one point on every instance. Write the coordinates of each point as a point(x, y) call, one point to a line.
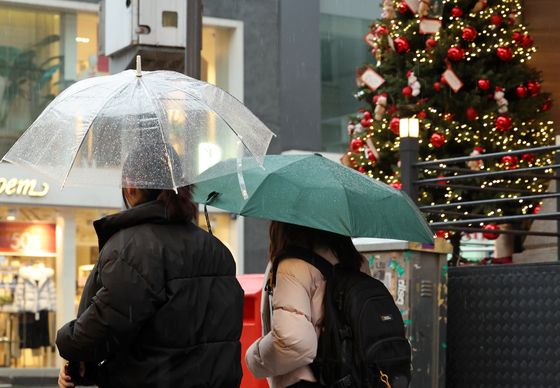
point(362, 342)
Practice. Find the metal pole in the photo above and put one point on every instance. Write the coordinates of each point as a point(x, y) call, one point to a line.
point(557, 173)
point(194, 38)
point(409, 174)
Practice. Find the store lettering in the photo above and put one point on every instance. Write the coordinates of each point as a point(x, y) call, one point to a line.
point(22, 187)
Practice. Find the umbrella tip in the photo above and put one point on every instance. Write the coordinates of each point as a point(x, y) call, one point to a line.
point(138, 66)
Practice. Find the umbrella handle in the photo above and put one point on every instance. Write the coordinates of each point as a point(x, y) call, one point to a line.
point(210, 198)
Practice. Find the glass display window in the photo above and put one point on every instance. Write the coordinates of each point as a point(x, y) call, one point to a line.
point(27, 287)
point(29, 70)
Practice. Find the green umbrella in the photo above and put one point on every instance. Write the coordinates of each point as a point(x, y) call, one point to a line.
point(313, 191)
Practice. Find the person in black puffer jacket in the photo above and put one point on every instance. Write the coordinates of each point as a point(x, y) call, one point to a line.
point(162, 306)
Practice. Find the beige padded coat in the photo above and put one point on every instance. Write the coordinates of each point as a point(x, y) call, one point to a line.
point(289, 345)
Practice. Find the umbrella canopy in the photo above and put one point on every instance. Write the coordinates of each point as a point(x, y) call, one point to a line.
point(312, 191)
point(85, 135)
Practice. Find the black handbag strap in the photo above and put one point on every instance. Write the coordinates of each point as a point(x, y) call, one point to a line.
point(307, 255)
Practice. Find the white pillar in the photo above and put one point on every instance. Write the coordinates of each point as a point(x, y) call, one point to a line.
point(65, 267)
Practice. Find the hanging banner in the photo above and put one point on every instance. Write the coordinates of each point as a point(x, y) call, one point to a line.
point(28, 238)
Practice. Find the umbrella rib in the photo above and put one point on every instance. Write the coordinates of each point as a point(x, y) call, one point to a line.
point(217, 114)
point(152, 98)
point(87, 130)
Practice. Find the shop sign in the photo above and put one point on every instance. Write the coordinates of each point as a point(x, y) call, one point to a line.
point(28, 238)
point(22, 187)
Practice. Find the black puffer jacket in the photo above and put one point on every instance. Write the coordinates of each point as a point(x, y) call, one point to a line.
point(161, 308)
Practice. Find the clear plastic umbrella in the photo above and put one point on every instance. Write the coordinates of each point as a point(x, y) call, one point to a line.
point(175, 125)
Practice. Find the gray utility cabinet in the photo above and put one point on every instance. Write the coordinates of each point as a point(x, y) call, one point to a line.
point(416, 275)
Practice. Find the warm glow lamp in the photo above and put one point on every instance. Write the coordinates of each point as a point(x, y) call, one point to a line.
point(409, 127)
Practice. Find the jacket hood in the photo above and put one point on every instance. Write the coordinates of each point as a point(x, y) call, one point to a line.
point(153, 212)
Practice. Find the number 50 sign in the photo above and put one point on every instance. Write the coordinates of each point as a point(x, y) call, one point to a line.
point(28, 238)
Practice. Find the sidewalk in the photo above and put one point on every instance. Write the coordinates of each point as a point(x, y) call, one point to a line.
point(29, 377)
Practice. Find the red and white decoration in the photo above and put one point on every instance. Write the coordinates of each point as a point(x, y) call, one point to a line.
point(380, 106)
point(476, 164)
point(452, 80)
point(372, 79)
point(502, 102)
point(413, 83)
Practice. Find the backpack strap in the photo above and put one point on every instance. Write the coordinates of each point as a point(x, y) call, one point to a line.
point(307, 255)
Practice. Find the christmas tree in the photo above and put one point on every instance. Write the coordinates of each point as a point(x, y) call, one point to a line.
point(461, 68)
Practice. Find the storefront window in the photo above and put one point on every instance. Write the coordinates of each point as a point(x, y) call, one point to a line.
point(29, 68)
point(42, 52)
point(28, 284)
point(27, 287)
point(89, 64)
point(342, 51)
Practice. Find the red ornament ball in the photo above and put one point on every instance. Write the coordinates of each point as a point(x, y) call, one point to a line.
point(437, 86)
point(503, 122)
point(472, 114)
point(381, 30)
point(396, 185)
point(444, 183)
point(365, 123)
point(356, 145)
point(442, 234)
point(443, 81)
point(469, 33)
point(403, 8)
point(437, 139)
point(484, 84)
point(367, 115)
point(509, 161)
point(534, 88)
point(496, 20)
point(527, 41)
point(361, 169)
point(455, 53)
point(528, 158)
point(491, 236)
point(456, 12)
point(395, 125)
point(521, 91)
point(547, 105)
point(402, 45)
point(431, 42)
point(422, 115)
point(407, 91)
point(504, 53)
point(517, 36)
point(370, 155)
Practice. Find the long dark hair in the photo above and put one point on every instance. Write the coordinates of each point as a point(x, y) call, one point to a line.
point(178, 204)
point(147, 169)
point(283, 235)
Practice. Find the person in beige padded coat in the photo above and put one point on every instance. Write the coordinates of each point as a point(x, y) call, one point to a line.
point(289, 345)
